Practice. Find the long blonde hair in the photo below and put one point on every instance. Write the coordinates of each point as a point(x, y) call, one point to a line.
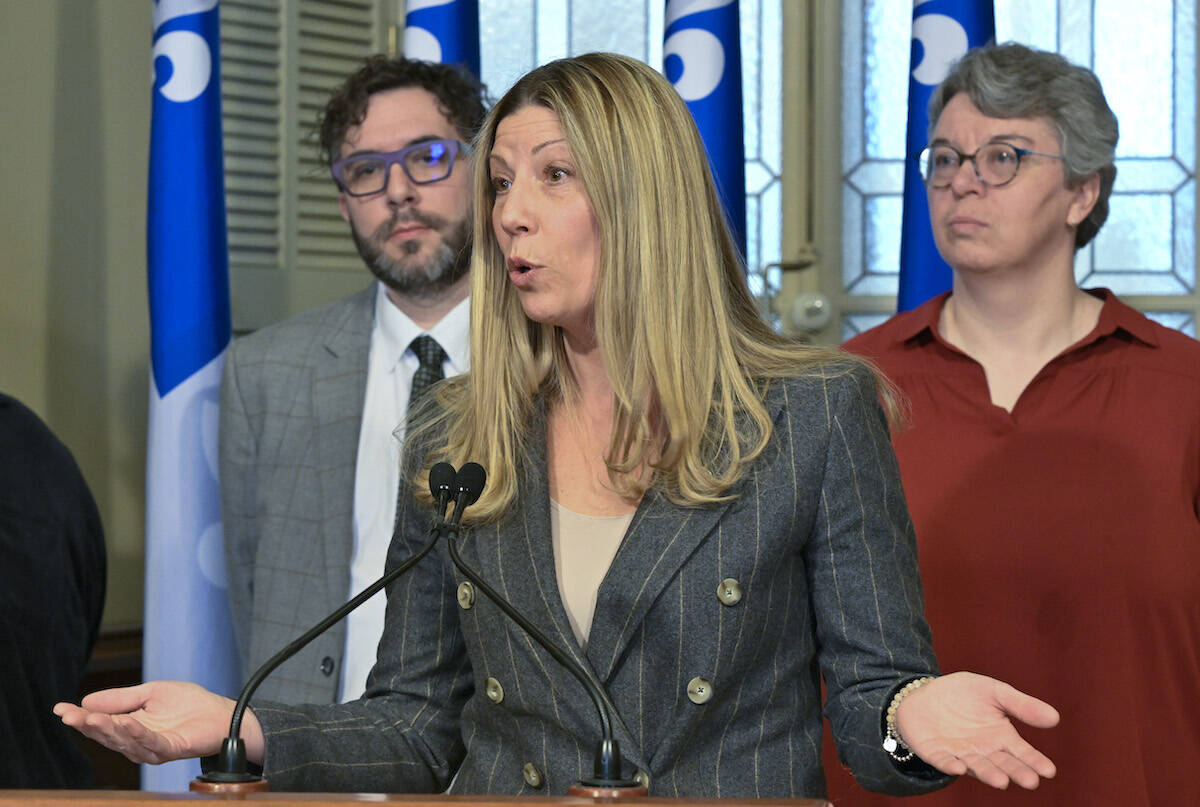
point(685, 349)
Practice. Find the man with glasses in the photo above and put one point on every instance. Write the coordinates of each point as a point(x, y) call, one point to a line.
point(313, 408)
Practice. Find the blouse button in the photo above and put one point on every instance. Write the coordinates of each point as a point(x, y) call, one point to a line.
point(466, 596)
point(642, 778)
point(699, 690)
point(729, 592)
point(495, 692)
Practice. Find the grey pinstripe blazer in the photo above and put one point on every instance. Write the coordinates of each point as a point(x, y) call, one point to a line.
point(821, 544)
point(291, 408)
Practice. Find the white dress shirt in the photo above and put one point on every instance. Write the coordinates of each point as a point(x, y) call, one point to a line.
point(390, 369)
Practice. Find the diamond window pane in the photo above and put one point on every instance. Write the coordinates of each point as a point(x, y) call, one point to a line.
point(871, 245)
point(883, 242)
point(616, 26)
point(1033, 22)
point(507, 44)
point(1137, 234)
point(1182, 321)
point(1133, 60)
point(1185, 84)
point(886, 68)
point(1142, 175)
point(762, 102)
point(854, 324)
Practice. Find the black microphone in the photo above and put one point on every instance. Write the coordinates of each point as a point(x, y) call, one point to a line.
point(229, 773)
point(441, 486)
point(607, 781)
point(468, 484)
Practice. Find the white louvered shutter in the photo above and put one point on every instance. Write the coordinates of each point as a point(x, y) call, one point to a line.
point(288, 246)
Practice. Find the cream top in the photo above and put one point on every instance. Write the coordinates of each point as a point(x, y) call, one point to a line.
point(584, 547)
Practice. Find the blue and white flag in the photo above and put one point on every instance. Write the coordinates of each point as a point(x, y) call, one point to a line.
point(188, 633)
point(702, 57)
point(445, 31)
point(942, 31)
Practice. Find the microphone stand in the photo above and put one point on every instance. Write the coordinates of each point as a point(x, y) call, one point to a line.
point(231, 776)
point(606, 782)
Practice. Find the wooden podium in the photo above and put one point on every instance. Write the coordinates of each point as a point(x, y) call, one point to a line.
point(136, 798)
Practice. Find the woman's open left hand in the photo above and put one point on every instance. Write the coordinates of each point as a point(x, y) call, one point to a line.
point(960, 724)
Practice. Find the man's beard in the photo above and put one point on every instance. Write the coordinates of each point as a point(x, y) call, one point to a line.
point(426, 280)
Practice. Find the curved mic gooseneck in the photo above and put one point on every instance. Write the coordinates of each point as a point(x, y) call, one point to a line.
point(607, 768)
point(463, 488)
point(231, 768)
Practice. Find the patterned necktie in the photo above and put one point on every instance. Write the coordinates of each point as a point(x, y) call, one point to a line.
point(431, 358)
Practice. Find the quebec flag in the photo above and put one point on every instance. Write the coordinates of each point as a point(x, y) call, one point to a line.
point(702, 57)
point(188, 634)
point(445, 31)
point(942, 32)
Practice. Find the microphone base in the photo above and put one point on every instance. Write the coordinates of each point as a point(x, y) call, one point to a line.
point(228, 777)
point(229, 789)
point(608, 791)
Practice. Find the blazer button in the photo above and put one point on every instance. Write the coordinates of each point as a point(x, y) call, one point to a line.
point(700, 690)
point(495, 692)
point(466, 596)
point(642, 778)
point(729, 592)
point(327, 666)
point(533, 777)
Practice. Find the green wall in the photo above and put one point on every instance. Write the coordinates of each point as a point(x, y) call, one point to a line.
point(74, 102)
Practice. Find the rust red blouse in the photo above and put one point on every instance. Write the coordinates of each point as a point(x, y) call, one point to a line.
point(1059, 546)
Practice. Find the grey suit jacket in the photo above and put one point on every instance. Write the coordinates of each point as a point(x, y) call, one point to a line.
point(291, 407)
point(820, 544)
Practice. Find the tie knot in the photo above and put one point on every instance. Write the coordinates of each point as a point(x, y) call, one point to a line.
point(431, 357)
point(429, 353)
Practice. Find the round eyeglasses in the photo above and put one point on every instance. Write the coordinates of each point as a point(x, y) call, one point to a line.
point(425, 162)
point(995, 164)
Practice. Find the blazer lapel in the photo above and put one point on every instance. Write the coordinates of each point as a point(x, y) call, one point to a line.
point(539, 543)
point(660, 539)
point(339, 388)
point(544, 606)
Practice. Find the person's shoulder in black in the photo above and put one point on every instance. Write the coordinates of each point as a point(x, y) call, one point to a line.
point(52, 583)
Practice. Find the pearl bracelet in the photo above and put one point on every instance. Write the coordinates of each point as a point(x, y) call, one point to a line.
point(893, 743)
